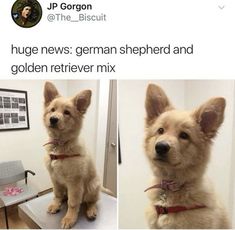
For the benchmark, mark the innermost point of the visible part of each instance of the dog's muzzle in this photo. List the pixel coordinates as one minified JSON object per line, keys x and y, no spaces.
{"x":53,"y":121}
{"x":162,"y":148}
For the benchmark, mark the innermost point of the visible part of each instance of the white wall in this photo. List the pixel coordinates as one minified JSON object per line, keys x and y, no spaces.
{"x":27,"y":145}
{"x":134,"y":172}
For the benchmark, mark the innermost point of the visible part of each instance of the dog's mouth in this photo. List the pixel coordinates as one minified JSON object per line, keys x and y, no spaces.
{"x":166,"y":161}
{"x":53,"y":126}
{"x":56,"y":127}
{"x":161,"y":159}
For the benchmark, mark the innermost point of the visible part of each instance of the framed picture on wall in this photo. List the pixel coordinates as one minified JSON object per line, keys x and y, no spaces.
{"x":14,"y":113}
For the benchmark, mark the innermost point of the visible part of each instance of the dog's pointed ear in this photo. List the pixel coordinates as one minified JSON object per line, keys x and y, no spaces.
{"x":156,"y":102}
{"x":50,"y":93}
{"x":82,"y":101}
{"x":210,"y":116}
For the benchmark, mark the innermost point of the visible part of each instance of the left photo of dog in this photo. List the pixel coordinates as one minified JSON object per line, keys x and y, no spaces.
{"x":58,"y":160}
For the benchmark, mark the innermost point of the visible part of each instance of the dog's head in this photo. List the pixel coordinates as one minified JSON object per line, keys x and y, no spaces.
{"x":179,"y":140}
{"x":63,"y":116}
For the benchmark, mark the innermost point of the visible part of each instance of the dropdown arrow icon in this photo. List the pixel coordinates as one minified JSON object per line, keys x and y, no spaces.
{"x":221,"y":7}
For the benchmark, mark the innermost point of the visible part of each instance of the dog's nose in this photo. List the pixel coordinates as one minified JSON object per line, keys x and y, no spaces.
{"x":54,"y":120}
{"x":162,"y":148}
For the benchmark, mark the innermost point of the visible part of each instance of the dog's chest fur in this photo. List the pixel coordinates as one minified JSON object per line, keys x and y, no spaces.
{"x":188,"y":196}
{"x":65,"y":170}
{"x":169,"y":198}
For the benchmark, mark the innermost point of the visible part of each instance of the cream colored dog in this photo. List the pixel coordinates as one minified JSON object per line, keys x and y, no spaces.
{"x":71,"y":169}
{"x":178,"y":146}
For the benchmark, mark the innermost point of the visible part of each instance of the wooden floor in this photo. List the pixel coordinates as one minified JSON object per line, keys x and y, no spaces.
{"x":13,"y":219}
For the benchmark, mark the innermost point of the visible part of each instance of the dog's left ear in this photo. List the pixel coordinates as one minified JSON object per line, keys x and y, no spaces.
{"x":50,"y":93}
{"x":156,"y":102}
{"x":82,"y":101}
{"x":210,"y":116}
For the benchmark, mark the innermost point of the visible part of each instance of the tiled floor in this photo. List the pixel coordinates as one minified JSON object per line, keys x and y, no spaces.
{"x":13,"y":219}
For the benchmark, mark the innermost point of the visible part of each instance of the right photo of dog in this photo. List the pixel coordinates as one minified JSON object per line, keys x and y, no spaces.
{"x":178,"y":145}
{"x":181,"y":144}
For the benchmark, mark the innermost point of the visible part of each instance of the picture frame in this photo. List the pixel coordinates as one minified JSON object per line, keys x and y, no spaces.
{"x":14,"y":113}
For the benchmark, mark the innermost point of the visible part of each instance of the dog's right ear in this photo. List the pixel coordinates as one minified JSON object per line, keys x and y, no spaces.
{"x":82,"y":101}
{"x":210,"y":116}
{"x":50,"y":93}
{"x":156,"y":102}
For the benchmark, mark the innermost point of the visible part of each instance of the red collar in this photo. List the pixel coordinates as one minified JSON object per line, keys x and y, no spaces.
{"x":62,"y":156}
{"x":165,"y":210}
{"x":171,"y":186}
{"x":166,"y":185}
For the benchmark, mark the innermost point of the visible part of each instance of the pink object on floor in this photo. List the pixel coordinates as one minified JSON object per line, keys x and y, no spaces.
{"x":12,"y":191}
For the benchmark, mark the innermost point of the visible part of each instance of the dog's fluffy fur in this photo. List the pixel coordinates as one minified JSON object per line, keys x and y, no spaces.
{"x":74,"y":178}
{"x":185,"y":163}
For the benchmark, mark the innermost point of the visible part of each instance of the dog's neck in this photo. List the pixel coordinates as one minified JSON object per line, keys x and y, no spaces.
{"x":62,"y":142}
{"x":166,"y":185}
{"x":179,"y":177}
{"x":56,"y":142}
{"x":64,"y":137}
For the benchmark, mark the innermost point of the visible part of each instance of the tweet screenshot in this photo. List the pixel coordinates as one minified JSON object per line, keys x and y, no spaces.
{"x":117,"y":114}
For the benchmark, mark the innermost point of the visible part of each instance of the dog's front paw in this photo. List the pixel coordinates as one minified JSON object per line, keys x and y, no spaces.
{"x":91,"y":213}
{"x":68,"y":222}
{"x":53,"y":208}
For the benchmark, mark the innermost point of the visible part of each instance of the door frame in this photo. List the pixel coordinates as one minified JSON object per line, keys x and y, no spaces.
{"x":102,"y":123}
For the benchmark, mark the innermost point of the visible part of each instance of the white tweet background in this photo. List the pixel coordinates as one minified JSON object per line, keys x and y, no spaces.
{"x":136,"y":23}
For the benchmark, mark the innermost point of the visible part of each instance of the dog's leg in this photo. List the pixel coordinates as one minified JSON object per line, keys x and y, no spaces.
{"x":91,"y":200}
{"x":91,"y":211}
{"x":75,"y":195}
{"x":91,"y":197}
{"x":59,"y":192}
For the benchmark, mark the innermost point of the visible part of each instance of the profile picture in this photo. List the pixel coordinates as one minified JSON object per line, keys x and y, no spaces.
{"x":26,"y":13}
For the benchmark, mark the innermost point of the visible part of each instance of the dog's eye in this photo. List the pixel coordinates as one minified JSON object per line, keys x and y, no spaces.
{"x":184,"y":136}
{"x":53,"y":110}
{"x":66,"y":112}
{"x":160,"y":131}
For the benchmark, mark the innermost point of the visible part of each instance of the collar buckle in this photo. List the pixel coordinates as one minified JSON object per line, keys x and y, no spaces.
{"x":53,"y":157}
{"x":161,"y":209}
